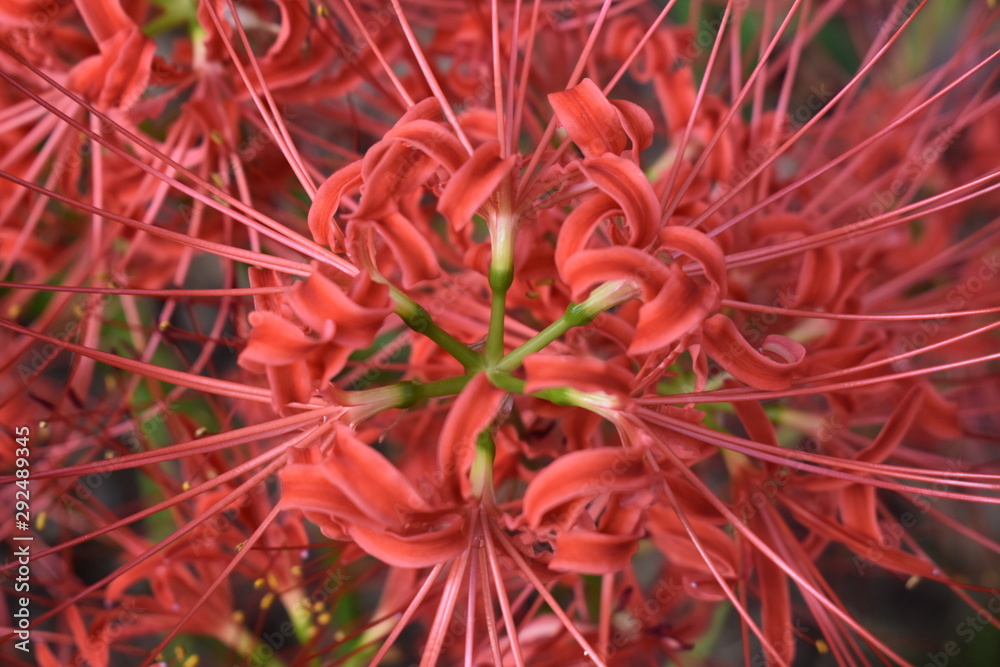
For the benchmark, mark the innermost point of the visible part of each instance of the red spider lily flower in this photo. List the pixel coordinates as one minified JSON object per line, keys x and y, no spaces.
{"x":513,"y":333}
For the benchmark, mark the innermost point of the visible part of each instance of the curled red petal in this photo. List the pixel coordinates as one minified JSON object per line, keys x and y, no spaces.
{"x":289,"y":383}
{"x":637,"y":125}
{"x":587,"y":268}
{"x":909,"y":408}
{"x":624,"y":182}
{"x":432,"y":139}
{"x":412,"y":251}
{"x":117,"y":77}
{"x":420,"y":550}
{"x":321,"y":223}
{"x":356,"y":468}
{"x":389,"y":171}
{"x":266,"y":278}
{"x":727,"y":347}
{"x":678,"y":308}
{"x":699,"y":247}
{"x":104,"y":18}
{"x":582,"y":475}
{"x":590,"y":552}
{"x":590,"y":119}
{"x":859,"y":511}
{"x":819,"y":278}
{"x":473,"y":184}
{"x":682,"y":305}
{"x":274,"y":341}
{"x":669,"y":533}
{"x":94,"y":651}
{"x":319,"y":300}
{"x":776,"y":605}
{"x":579,"y":225}
{"x":307,"y":487}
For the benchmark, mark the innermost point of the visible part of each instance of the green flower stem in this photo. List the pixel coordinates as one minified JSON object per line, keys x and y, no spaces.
{"x":403,"y":394}
{"x":500,"y":282}
{"x":417,"y":318}
{"x":447,"y":387}
{"x":604,"y":297}
{"x":542,"y":339}
{"x":501,"y":275}
{"x":594,"y":401}
{"x":507,"y":382}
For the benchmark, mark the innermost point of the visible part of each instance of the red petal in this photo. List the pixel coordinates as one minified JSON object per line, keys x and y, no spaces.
{"x":356,"y":468}
{"x":670,"y":535}
{"x":390,"y":170}
{"x":637,"y":124}
{"x":473,"y":184}
{"x":307,"y":487}
{"x":274,"y":341}
{"x":701,"y":249}
{"x":590,"y":120}
{"x":727,"y":347}
{"x":859,"y":513}
{"x":266,"y":278}
{"x":92,"y":649}
{"x":589,"y":552}
{"x":104,"y":18}
{"x":678,"y":308}
{"x":319,"y":300}
{"x":420,"y":550}
{"x":583,"y":475}
{"x":291,"y":383}
{"x":411,"y":249}
{"x":588,"y":267}
{"x":624,"y":182}
{"x":579,"y":226}
{"x":819,"y":278}
{"x":321,"y":223}
{"x":897,"y":426}
{"x":432,"y":139}
{"x":776,"y":605}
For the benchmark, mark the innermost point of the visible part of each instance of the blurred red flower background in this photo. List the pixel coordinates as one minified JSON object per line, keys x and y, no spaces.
{"x":500,"y":333}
